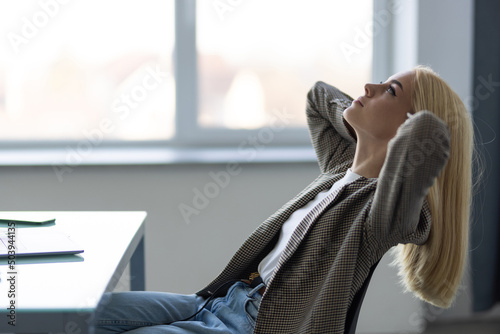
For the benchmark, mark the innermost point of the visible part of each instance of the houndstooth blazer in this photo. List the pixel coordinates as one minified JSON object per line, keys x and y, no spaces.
{"x":332,"y":250}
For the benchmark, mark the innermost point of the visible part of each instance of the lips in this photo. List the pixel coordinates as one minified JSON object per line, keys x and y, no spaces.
{"x":358,"y":100}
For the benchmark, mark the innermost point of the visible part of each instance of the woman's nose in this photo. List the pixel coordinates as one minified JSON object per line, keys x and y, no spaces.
{"x":369,"y":89}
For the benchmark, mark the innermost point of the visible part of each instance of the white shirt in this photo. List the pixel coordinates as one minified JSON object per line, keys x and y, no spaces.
{"x":267,"y":265}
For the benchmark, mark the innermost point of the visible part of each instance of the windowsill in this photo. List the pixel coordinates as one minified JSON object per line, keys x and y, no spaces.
{"x":153,"y":156}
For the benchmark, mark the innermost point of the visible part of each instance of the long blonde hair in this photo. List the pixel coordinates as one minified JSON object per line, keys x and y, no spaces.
{"x":433,"y":271}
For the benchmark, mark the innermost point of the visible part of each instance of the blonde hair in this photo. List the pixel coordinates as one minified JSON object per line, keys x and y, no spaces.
{"x":433,"y":271}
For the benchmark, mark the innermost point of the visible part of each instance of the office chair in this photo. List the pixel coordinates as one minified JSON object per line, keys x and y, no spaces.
{"x":353,"y":312}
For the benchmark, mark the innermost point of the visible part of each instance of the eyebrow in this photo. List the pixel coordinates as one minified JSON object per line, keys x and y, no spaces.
{"x":398,"y":83}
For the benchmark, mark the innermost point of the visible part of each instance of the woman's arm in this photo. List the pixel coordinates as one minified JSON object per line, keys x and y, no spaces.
{"x":415,"y":157}
{"x":331,"y":138}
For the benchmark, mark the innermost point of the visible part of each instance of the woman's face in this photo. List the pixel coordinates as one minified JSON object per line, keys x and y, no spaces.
{"x":378,"y":114}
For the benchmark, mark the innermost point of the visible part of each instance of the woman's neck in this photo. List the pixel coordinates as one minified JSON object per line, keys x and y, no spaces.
{"x":369,"y":158}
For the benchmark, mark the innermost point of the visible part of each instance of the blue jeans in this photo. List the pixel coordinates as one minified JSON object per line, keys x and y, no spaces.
{"x":148,"y":312}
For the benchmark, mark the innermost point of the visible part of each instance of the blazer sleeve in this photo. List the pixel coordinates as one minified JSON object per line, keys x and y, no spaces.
{"x":333,"y":143}
{"x":415,"y":157}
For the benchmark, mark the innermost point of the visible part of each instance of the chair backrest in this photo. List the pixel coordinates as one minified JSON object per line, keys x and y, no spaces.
{"x":353,"y":312}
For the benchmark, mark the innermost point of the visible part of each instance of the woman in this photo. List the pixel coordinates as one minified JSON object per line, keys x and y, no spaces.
{"x":388,"y":166}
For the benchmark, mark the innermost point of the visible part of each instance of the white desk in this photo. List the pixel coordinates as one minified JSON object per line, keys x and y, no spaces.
{"x":59,"y":294}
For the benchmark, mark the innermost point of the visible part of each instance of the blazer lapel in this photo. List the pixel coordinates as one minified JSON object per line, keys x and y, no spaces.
{"x":322,"y":183}
{"x":301,"y":230}
{"x":261,"y":237}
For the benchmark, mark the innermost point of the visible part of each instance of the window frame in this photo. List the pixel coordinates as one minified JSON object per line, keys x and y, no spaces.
{"x":188,"y":134}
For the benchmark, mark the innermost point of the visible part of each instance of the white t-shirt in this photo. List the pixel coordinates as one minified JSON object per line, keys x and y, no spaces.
{"x":267,"y":265}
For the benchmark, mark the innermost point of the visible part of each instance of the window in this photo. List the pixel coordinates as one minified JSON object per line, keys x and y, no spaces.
{"x":258,"y":56}
{"x":73,"y":69}
{"x":177,"y":73}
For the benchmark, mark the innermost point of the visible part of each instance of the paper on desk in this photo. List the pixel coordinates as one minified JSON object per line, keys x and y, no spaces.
{"x":28,"y":217}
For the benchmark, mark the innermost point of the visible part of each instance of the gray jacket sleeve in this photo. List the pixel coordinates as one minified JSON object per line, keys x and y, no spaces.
{"x":331,"y":139}
{"x":415,"y":157}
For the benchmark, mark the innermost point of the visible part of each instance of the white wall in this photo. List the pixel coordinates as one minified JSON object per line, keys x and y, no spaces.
{"x":446,"y":41}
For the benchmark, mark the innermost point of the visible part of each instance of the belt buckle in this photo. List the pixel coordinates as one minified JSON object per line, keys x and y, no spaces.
{"x":253,"y":276}
{"x":255,"y":279}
